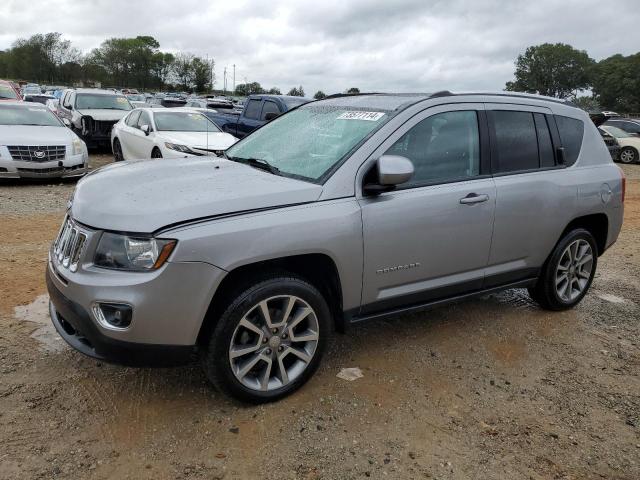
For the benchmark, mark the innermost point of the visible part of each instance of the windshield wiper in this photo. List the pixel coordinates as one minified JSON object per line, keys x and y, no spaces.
{"x":260,"y":163}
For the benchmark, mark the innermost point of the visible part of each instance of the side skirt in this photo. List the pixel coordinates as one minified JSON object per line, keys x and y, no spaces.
{"x":354,"y":317}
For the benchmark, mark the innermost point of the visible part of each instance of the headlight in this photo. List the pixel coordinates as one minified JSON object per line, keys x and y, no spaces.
{"x":132,"y":253}
{"x":179,"y":148}
{"x":77,"y":146}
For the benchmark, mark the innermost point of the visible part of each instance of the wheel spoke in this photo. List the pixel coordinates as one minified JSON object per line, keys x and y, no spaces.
{"x":287,"y":311}
{"x":249,"y":365}
{"x":284,"y":376}
{"x":264,"y":380}
{"x":236,"y":352}
{"x":308,"y":336}
{"x":250,"y":326}
{"x":301,"y":315}
{"x":561,"y":279}
{"x":301,"y":354}
{"x":585,"y":258}
{"x":264,"y":308}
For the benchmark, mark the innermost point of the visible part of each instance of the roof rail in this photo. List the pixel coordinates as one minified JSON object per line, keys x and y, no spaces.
{"x":441,"y":93}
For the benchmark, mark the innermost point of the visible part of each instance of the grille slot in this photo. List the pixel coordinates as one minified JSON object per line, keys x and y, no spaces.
{"x":37,"y":153}
{"x":69,"y":245}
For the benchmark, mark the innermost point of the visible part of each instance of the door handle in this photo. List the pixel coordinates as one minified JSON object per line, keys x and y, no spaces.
{"x":474,"y":198}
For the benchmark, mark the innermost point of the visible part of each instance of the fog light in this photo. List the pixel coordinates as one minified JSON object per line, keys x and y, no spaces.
{"x":113,"y":315}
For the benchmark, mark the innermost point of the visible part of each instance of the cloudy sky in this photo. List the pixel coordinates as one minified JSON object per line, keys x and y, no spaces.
{"x":401,"y":45}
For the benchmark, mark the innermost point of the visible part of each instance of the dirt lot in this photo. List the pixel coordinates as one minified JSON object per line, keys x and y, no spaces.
{"x":490,"y":389}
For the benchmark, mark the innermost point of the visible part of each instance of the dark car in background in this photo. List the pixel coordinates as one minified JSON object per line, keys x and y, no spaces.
{"x":258,"y":110}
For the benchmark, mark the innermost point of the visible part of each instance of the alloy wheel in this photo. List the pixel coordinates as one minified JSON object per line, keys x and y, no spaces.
{"x":627,"y":155}
{"x":274,"y":343}
{"x":574,"y":270}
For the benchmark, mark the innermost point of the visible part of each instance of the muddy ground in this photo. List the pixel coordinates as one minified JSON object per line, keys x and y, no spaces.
{"x":494,"y":388}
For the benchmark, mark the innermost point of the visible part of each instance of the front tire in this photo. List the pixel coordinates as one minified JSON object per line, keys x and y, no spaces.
{"x":270,"y":339}
{"x":628,"y":155}
{"x":117,"y":151}
{"x":156,"y":153}
{"x":568,"y":272}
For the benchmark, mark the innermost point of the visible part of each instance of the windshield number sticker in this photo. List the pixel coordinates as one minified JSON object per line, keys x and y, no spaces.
{"x":121,"y":100}
{"x":354,"y":115}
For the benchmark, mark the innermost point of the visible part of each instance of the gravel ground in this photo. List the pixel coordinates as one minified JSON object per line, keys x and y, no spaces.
{"x":493,"y":388}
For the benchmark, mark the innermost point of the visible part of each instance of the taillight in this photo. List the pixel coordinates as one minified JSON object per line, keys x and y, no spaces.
{"x":624,"y":183}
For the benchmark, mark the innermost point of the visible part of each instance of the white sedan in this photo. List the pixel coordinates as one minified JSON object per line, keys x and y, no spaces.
{"x":35,"y":143}
{"x":167,"y":133}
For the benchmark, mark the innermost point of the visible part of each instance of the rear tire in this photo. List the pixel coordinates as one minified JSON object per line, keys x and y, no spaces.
{"x":567,"y":274}
{"x":156,"y":153}
{"x":628,"y":155}
{"x":260,"y":357}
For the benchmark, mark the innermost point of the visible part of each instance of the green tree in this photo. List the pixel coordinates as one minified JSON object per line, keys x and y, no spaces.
{"x":183,"y":70}
{"x":274,"y":91}
{"x":162,"y":67}
{"x":556,"y":70}
{"x":202,"y":73}
{"x":616,"y":83}
{"x":245,"y":89}
{"x":320,"y":95}
{"x":296,"y":92}
{"x":587,"y":103}
{"x":353,"y":90}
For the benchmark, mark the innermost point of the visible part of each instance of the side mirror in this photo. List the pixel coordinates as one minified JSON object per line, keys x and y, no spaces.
{"x":66,"y":122}
{"x":270,"y":116}
{"x":145,"y":129}
{"x":389,"y":171}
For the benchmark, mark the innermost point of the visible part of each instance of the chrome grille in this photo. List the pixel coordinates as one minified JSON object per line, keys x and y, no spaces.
{"x":69,"y":245}
{"x":36,"y":153}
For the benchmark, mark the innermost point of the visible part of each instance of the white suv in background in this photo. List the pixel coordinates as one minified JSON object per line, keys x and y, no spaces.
{"x":35,"y":143}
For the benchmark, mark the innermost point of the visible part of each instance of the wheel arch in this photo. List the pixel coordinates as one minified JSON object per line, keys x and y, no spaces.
{"x":317,"y":268}
{"x":597,"y":224}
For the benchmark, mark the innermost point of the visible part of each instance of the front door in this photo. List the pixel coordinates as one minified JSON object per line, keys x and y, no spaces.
{"x":430,"y":238}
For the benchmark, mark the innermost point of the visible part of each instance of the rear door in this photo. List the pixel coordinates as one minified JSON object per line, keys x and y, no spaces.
{"x":430,"y":238}
{"x":534,"y":195}
{"x":250,"y":119}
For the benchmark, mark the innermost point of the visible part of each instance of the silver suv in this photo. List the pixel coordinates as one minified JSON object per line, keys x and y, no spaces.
{"x":342,"y":210}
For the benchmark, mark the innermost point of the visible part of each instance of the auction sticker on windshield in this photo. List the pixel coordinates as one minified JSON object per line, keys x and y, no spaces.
{"x":354,"y":115}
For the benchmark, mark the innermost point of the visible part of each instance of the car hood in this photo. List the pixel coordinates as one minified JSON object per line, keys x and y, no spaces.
{"x":104,"y":115}
{"x":33,"y":135}
{"x":203,"y":140}
{"x":144,"y":196}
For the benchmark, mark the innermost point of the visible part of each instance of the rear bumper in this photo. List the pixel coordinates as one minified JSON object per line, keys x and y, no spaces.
{"x":75,"y":326}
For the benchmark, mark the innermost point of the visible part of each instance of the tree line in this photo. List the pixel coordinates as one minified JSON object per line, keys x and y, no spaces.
{"x":559,"y":70}
{"x":124,"y":62}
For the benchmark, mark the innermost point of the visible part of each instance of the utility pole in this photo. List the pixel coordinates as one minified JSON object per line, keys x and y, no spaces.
{"x":224,"y":87}
{"x":234,"y":78}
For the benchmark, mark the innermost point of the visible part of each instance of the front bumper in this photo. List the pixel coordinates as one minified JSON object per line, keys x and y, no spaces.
{"x":71,"y":166}
{"x":169,"y":306}
{"x":75,"y":326}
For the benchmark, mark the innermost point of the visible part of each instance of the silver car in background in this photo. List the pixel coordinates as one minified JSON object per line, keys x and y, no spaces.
{"x":35,"y":143}
{"x":342,"y":210}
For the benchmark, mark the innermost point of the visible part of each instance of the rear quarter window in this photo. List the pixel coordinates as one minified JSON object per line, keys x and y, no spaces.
{"x":571,"y":131}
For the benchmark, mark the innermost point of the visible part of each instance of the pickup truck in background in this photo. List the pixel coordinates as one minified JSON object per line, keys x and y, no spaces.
{"x":258,"y":110}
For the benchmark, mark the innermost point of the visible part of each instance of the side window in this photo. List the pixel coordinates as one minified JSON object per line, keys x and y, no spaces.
{"x":66,"y":102}
{"x":629,"y":127}
{"x":545,"y":145}
{"x":253,"y":109}
{"x":443,"y":147}
{"x":143,"y":120}
{"x":571,"y":131}
{"x":516,"y":142}
{"x":132,"y":118}
{"x":269,"y":107}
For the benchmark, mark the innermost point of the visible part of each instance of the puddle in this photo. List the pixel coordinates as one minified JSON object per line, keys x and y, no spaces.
{"x":37,"y":312}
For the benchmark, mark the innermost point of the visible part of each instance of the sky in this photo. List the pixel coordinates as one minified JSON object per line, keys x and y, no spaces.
{"x":332,"y":45}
